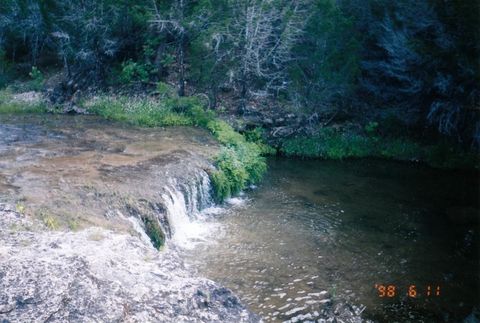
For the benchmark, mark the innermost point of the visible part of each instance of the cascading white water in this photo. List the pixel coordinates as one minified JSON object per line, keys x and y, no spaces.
{"x":184,"y":203}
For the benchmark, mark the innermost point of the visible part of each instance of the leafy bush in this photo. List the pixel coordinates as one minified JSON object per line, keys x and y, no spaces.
{"x":37,"y":79}
{"x":330,"y":144}
{"x":256,"y":135}
{"x":371,"y":128}
{"x":239,"y":164}
{"x":135,"y":72}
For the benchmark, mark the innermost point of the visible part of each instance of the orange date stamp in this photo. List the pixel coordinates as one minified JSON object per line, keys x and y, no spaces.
{"x":413,"y":291}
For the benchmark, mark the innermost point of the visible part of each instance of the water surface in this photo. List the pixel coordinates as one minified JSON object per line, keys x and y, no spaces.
{"x":318,"y":233}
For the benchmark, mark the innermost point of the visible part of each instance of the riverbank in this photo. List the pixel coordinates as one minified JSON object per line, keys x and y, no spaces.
{"x":331,"y":143}
{"x":241,"y":163}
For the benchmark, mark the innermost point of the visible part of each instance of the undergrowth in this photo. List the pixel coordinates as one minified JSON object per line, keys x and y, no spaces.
{"x":10,"y":105}
{"x":332,"y":144}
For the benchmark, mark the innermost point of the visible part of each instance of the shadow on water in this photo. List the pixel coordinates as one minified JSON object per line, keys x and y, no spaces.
{"x":322,"y":229}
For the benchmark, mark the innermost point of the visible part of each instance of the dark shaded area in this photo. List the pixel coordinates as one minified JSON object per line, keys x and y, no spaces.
{"x":410,"y":66}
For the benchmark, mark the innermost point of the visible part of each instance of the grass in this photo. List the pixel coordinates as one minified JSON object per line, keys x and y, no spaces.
{"x":240,"y":162}
{"x":10,"y":106}
{"x":332,"y":144}
{"x":50,"y":221}
{"x":20,"y":208}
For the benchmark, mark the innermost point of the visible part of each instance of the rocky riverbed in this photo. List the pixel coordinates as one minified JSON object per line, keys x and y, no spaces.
{"x":101,"y":276}
{"x":84,"y":205}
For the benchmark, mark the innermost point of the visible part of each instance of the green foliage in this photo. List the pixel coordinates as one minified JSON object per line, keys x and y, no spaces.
{"x":371,"y":128}
{"x":165,"y":90}
{"x":238,"y":165}
{"x":37,"y":79}
{"x":447,"y":154}
{"x":333,"y":144}
{"x":330,"y":37}
{"x":49,"y":220}
{"x":20,"y":208}
{"x":329,"y":144}
{"x":257,"y":136}
{"x":137,"y":111}
{"x":133,"y":72}
{"x":224,"y":133}
{"x":221,"y":185}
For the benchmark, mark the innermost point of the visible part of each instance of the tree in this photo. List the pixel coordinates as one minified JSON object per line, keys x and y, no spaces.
{"x":326,"y":61}
{"x":420,"y":69}
{"x":258,"y":41}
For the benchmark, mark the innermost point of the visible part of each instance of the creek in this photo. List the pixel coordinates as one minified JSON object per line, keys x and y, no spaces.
{"x":353,"y":240}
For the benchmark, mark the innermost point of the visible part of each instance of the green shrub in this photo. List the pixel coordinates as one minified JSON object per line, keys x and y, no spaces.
{"x":224,"y":133}
{"x":401,"y":149}
{"x":371,"y":128}
{"x":135,"y":72}
{"x":257,"y":136}
{"x":182,"y":104}
{"x":239,"y":164}
{"x":37,"y":79}
{"x":333,"y":144}
{"x":220,"y":184}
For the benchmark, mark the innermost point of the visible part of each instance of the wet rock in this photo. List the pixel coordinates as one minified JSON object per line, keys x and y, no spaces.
{"x":117,"y":278}
{"x":72,"y":108}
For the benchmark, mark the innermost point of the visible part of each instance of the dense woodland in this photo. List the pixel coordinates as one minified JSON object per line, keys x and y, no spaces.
{"x":409,"y":65}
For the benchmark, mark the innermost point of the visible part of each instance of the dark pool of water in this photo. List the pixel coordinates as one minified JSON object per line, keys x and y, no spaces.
{"x":343,"y":227}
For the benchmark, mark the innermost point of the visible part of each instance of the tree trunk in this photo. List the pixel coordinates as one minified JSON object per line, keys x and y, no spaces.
{"x":181,"y":49}
{"x":181,"y":63}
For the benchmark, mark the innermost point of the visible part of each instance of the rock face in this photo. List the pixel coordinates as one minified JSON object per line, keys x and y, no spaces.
{"x":96,"y":275}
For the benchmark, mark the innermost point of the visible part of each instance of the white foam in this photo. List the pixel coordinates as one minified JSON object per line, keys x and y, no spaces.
{"x":235,"y":201}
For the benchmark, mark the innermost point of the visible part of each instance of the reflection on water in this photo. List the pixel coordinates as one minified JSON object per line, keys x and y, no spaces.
{"x":317,"y":232}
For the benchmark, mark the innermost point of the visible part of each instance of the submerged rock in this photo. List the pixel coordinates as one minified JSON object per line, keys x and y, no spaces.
{"x":99,"y":275}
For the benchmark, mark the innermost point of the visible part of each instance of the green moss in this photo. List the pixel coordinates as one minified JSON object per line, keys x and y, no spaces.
{"x":154,"y":232}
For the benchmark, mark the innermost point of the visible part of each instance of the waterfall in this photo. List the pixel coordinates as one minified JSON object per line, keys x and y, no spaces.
{"x":184,"y":202}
